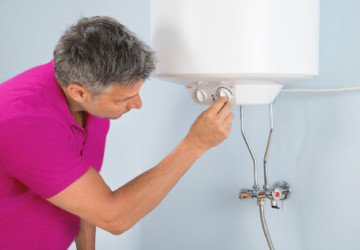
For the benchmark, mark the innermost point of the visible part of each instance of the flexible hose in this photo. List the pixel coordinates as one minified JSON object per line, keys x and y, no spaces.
{"x":261,"y":203}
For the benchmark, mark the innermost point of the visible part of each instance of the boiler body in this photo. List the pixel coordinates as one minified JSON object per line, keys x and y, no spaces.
{"x":244,"y":49}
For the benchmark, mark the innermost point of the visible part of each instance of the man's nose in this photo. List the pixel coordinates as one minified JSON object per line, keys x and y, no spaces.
{"x":135,"y":103}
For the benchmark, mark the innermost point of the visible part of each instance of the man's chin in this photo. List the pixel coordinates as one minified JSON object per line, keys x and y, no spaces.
{"x":117,"y":116}
{"x":114,"y":118}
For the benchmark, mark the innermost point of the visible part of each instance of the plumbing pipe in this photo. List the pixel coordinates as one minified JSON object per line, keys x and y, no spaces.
{"x":256,"y":186}
{"x":266,"y":186}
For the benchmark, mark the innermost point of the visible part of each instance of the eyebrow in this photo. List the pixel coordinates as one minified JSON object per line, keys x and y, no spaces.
{"x":127,"y":98}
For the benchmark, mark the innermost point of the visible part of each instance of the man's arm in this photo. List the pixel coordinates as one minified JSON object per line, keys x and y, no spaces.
{"x":85,"y":240}
{"x":116,"y":211}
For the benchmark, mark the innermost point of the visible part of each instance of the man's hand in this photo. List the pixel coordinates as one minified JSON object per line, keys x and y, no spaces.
{"x":213,"y":125}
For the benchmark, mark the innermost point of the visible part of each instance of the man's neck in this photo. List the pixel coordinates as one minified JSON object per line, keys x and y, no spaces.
{"x":80,"y":118}
{"x":75,"y":108}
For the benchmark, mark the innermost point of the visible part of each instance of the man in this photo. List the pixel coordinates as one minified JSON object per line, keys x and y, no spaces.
{"x":53,"y":125}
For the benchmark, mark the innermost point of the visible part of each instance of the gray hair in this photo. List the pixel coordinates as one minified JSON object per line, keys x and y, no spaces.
{"x":98,"y":51}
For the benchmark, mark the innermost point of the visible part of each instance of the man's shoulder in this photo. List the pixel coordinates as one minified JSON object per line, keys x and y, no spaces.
{"x":27,"y":110}
{"x":29,"y":75}
{"x":32,"y":93}
{"x":29,"y":121}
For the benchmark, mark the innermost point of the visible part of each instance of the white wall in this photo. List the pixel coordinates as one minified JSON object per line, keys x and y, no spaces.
{"x":315,"y":143}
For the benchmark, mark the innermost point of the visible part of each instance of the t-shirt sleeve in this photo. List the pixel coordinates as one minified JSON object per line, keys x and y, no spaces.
{"x":37,"y":152}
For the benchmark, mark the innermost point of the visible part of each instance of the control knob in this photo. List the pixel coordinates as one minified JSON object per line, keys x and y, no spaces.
{"x":222,"y":91}
{"x":201,"y":95}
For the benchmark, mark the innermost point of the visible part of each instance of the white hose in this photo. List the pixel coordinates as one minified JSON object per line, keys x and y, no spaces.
{"x":320,"y":90}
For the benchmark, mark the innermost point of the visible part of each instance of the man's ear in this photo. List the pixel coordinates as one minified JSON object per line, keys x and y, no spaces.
{"x":78,"y":92}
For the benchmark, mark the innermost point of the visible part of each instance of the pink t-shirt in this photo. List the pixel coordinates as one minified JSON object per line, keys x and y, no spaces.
{"x":42,"y":151}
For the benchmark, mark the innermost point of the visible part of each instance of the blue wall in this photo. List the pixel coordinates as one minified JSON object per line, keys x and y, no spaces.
{"x":315,"y":143}
{"x":315,"y":148}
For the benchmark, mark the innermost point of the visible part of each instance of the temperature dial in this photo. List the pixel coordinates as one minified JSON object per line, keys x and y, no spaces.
{"x":222,"y":91}
{"x":201,"y":95}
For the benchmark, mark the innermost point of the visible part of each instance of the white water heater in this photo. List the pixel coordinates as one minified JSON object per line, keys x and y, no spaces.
{"x":243,"y":49}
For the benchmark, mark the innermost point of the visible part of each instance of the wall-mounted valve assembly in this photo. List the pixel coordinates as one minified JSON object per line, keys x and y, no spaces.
{"x":279,"y":191}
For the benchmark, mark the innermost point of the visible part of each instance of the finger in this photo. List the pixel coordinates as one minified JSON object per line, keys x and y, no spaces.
{"x":229,"y":119}
{"x":225,"y":110}
{"x":217,"y":105}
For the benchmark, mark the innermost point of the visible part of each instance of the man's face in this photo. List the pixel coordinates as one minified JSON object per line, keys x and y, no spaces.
{"x":116,"y":102}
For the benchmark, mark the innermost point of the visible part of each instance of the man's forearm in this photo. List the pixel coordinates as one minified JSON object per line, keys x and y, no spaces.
{"x":116,"y":211}
{"x":137,"y":198}
{"x":85,"y":240}
{"x":144,"y":193}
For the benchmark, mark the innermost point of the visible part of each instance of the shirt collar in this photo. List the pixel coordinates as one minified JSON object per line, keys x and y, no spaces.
{"x":57,"y":98}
